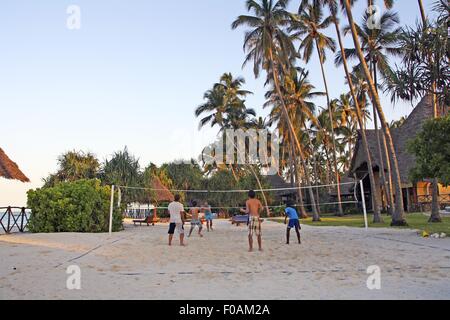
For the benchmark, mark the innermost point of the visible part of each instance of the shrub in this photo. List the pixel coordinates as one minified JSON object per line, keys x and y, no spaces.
{"x":80,"y":206}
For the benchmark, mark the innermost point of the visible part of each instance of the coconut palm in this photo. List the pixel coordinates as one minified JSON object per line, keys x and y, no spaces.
{"x":424,"y":71}
{"x":359,"y":97}
{"x":377,"y":44}
{"x":270,"y":48}
{"x":307,"y":26}
{"x":225,"y":104}
{"x":398,"y":217}
{"x":298,"y":94}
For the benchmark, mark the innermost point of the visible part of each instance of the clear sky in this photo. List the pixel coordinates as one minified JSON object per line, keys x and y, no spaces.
{"x":131,"y":76}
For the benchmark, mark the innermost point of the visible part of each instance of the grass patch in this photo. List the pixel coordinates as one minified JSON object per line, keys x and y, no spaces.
{"x":416,"y":221}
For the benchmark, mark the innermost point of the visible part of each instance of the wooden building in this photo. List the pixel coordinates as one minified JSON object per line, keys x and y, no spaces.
{"x":416,"y":196}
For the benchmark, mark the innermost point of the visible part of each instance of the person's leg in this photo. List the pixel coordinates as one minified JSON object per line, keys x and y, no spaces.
{"x":171,"y":232}
{"x":182,"y":239}
{"x":200,"y":228}
{"x":207,"y":225}
{"x":297,"y":229}
{"x":180,"y":229}
{"x":250,"y":243}
{"x":288,"y":233}
{"x":190,"y":231}
{"x":260,"y":242}
{"x":211,"y":226}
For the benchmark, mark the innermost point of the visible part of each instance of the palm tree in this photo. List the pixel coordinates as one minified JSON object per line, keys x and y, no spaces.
{"x":74,"y":165}
{"x":270,"y":48}
{"x":225,"y":104}
{"x":377,"y":44}
{"x":309,"y":22}
{"x":297,"y":92}
{"x":358,"y":96}
{"x":423,"y":72}
{"x":398,"y":217}
{"x":348,"y":125}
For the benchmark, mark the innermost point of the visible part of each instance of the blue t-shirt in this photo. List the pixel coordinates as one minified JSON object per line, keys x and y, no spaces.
{"x":291,"y":213}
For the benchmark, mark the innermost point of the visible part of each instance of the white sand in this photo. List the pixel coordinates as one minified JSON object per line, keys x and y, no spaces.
{"x":138,"y":264}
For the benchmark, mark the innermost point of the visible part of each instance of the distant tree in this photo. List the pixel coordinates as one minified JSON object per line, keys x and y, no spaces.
{"x":123,"y":169}
{"x":432,"y":150}
{"x":73,"y":166}
{"x":184,"y":176}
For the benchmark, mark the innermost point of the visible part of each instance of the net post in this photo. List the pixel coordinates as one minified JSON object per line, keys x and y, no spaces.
{"x":111,"y":209}
{"x":363,"y":198}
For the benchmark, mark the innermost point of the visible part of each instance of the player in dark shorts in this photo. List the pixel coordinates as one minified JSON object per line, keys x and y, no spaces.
{"x":294,"y":222}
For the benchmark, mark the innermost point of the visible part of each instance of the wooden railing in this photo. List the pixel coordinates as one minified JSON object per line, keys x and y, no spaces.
{"x":443,"y":199}
{"x":13,"y":219}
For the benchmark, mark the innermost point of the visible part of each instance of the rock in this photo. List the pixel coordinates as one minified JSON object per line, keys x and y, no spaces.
{"x":443,"y":235}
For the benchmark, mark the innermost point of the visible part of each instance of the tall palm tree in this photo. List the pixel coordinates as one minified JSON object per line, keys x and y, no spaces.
{"x":309,"y":22}
{"x":377,"y":44}
{"x":270,"y":48}
{"x":298,"y":93}
{"x":398,"y":217}
{"x":225,"y":104}
{"x":348,"y":124}
{"x":358,"y":96}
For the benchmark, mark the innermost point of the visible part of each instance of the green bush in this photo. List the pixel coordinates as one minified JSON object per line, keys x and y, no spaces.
{"x":80,"y":206}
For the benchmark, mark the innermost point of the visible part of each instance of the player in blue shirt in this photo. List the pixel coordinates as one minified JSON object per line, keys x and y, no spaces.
{"x":294,"y":221}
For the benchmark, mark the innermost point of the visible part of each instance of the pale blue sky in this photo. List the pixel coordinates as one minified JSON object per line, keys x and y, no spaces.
{"x":131,"y":76}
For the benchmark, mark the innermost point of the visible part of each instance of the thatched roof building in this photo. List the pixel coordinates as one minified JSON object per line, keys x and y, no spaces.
{"x":161,"y":192}
{"x":400,"y":136}
{"x":414,"y":194}
{"x":277,"y":182}
{"x":9,"y":169}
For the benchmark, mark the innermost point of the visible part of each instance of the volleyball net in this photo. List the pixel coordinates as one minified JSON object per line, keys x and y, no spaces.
{"x":141,"y":202}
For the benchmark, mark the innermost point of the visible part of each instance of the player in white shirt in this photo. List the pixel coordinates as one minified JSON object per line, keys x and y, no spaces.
{"x":176,"y":210}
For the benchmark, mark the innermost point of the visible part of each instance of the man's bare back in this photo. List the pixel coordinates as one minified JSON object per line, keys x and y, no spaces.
{"x":195,"y":213}
{"x":254,"y":207}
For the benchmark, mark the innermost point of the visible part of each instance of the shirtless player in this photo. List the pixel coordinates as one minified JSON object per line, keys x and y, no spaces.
{"x":253,"y":209}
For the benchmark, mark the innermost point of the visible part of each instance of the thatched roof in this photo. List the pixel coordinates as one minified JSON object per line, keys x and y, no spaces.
{"x":161,"y":192}
{"x":277,"y":182}
{"x":400,"y":136}
{"x":9,"y":169}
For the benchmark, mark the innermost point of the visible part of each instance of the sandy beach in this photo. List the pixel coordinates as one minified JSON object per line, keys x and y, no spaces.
{"x":138,"y":264}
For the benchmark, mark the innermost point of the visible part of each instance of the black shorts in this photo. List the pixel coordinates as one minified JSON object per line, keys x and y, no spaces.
{"x":174,"y":226}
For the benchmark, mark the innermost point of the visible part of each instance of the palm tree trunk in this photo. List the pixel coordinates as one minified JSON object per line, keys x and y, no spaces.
{"x":435,"y":214}
{"x":336,"y":171}
{"x":377,"y":134}
{"x":422,"y":11}
{"x":316,"y":216}
{"x":328,"y":162}
{"x":377,"y":216}
{"x":390,"y":191}
{"x":261,"y":188}
{"x":311,"y":145}
{"x":296,"y":177}
{"x":398,"y":218}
